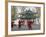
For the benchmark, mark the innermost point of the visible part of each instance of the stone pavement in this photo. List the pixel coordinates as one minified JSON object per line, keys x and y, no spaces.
{"x":25,"y":27}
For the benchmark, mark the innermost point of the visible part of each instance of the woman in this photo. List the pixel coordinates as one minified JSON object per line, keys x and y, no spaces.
{"x":29,"y":23}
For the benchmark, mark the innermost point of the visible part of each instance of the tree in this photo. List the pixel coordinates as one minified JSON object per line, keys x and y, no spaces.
{"x":28,"y":14}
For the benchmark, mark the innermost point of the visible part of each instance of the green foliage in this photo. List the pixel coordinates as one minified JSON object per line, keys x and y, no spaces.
{"x":28,"y":15}
{"x":25,"y":15}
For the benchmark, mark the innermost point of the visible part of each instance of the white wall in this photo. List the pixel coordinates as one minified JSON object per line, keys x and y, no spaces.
{"x":2,"y":14}
{"x":2,"y":21}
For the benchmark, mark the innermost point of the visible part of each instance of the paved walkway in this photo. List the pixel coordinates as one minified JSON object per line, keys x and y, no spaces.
{"x":24,"y":27}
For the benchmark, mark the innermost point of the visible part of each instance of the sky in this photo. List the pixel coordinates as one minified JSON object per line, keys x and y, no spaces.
{"x":18,"y":8}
